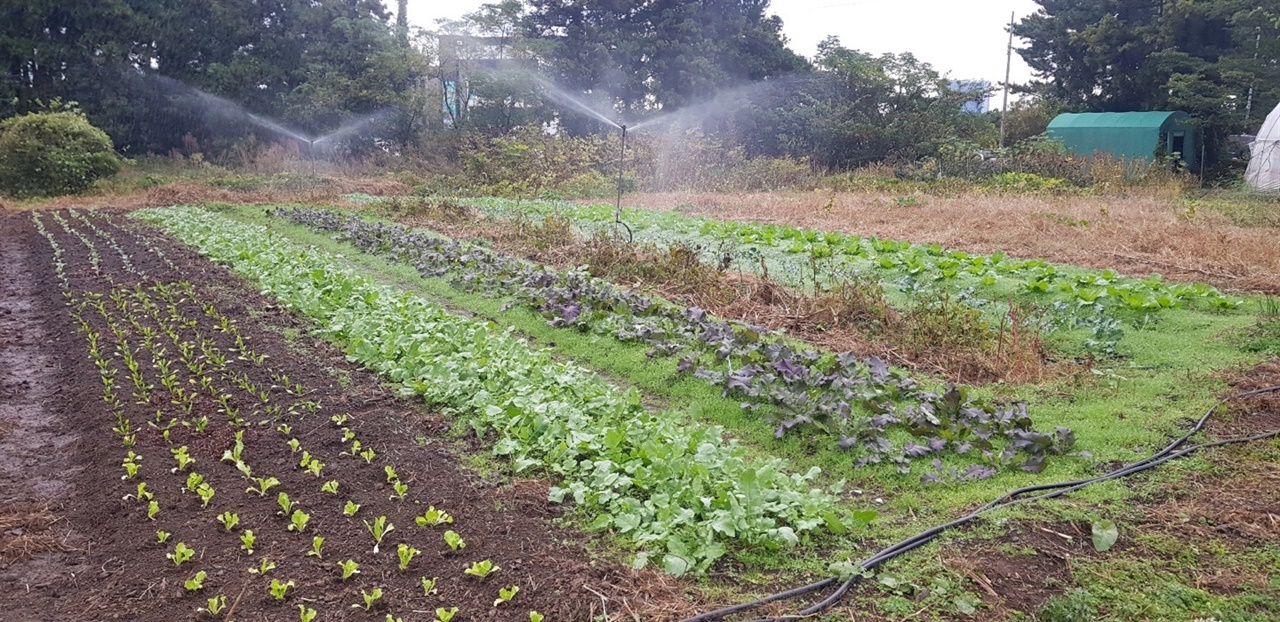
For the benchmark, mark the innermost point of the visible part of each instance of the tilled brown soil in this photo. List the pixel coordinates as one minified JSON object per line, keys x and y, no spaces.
{"x":106,"y":561}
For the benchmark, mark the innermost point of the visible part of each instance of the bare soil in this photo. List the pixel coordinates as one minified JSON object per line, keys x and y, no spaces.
{"x":105,"y":561}
{"x":1136,"y":234}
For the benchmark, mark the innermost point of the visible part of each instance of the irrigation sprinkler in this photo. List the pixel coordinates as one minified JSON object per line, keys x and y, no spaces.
{"x":617,"y":213}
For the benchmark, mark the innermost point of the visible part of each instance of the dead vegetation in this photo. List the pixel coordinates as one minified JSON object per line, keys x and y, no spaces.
{"x":1136,"y":233}
{"x":27,"y":529}
{"x":938,"y":333}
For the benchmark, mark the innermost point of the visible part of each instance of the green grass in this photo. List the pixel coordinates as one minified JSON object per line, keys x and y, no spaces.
{"x":1121,"y":410}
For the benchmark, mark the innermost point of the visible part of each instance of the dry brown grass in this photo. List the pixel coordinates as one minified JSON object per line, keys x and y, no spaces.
{"x":941,"y":336}
{"x":25,"y":530}
{"x":328,"y":190}
{"x":1136,"y":234}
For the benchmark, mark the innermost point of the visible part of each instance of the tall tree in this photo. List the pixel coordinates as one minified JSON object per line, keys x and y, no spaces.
{"x":660,"y":53}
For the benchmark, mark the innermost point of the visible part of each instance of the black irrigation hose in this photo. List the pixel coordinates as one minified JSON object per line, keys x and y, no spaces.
{"x":1170,"y":452}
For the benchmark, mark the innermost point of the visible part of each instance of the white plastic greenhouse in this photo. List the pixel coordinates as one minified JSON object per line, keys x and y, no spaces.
{"x":1264,"y":160}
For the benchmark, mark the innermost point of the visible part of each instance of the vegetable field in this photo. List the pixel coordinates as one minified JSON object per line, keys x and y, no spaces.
{"x":425,"y":410}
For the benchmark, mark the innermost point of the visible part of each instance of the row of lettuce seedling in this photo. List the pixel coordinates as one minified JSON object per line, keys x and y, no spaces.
{"x":128,"y":332}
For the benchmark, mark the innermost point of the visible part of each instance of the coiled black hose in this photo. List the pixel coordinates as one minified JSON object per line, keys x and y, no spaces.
{"x":1170,"y":452}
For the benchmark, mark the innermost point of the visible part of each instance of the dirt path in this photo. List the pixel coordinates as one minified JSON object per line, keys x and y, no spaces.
{"x":39,"y":553}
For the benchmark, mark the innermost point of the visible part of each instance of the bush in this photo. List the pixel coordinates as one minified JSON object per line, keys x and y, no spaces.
{"x":53,"y":153}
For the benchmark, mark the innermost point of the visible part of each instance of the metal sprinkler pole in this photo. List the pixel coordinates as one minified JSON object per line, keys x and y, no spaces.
{"x":617,"y":214}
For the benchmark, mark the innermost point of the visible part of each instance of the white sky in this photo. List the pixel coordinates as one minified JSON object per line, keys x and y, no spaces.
{"x":966,"y":39}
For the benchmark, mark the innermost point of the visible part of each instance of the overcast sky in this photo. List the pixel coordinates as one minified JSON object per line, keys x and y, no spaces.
{"x":966,"y":39}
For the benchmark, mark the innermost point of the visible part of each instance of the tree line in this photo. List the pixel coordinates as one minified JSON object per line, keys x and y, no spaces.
{"x":723,"y":67}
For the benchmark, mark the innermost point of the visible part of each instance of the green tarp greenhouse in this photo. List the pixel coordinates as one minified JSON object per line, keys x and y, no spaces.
{"x":1128,"y":135}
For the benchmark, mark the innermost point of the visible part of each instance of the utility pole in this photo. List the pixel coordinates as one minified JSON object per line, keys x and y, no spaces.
{"x":1008,"y":66}
{"x":1248,"y":105}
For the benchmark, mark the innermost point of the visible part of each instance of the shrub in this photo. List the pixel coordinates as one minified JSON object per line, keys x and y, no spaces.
{"x":53,"y":153}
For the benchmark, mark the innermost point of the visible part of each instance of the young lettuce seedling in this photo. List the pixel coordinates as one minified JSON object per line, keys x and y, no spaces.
{"x":444,"y":615}
{"x":206,"y":494}
{"x":433,"y":517}
{"x":368,"y":454}
{"x":196,"y":583}
{"x":183,"y":458}
{"x":330,"y":486}
{"x":181,"y":554}
{"x":153,"y":508}
{"x":406,"y":554}
{"x":316,"y":543}
{"x":534,"y":616}
{"x":429,"y":585}
{"x":229,"y":520}
{"x":162,"y":536}
{"x":506,"y":594}
{"x":295,"y":445}
{"x":306,"y":614}
{"x":193,"y":480}
{"x":142,"y":495}
{"x":369,"y":598}
{"x":391,"y":474}
{"x":279,"y":589}
{"x":265,"y":565}
{"x":401,"y":489}
{"x":314,"y":467}
{"x":246,"y":541}
{"x":286,"y":506}
{"x":217,"y":605}
{"x":378,"y":529}
{"x":482,"y":569}
{"x":264,"y":484}
{"x":349,"y":568}
{"x":454,"y":540}
{"x":350,"y":508}
{"x":298,"y":521}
